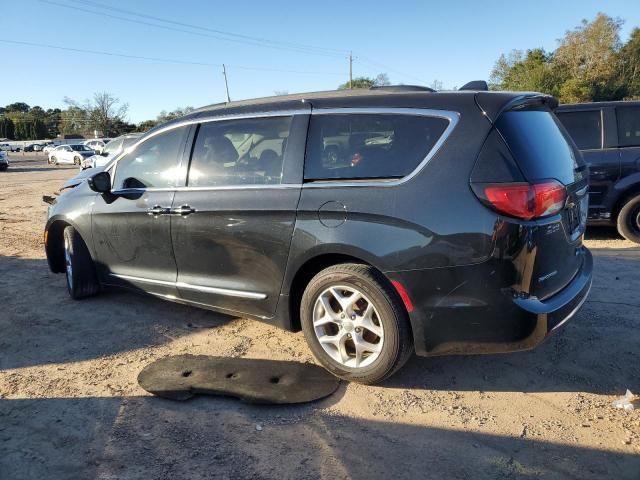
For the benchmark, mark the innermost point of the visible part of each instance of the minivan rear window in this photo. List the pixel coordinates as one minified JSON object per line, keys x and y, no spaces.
{"x":585,"y":128}
{"x":356,"y":146}
{"x":628,"y":126}
{"x":540,"y":145}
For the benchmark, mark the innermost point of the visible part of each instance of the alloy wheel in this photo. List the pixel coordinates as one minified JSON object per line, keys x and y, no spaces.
{"x":347,"y":326}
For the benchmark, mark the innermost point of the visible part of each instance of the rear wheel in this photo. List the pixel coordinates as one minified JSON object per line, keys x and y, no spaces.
{"x":53,"y":161}
{"x":77,"y":160}
{"x":629,"y":220}
{"x":80,"y":270}
{"x":355,"y":324}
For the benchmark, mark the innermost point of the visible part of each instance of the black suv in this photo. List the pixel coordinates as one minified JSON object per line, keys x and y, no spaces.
{"x":608,"y":135}
{"x":380,"y":222}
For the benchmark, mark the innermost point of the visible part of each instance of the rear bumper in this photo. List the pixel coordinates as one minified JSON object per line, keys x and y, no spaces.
{"x":464,"y":310}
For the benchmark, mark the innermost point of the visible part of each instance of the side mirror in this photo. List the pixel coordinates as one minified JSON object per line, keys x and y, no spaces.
{"x":100,"y":182}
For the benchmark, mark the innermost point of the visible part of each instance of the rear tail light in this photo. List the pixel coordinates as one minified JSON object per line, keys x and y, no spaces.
{"x":525,"y":200}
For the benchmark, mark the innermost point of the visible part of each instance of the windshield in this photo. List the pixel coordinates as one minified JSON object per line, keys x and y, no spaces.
{"x":81,"y":148}
{"x":112,"y":147}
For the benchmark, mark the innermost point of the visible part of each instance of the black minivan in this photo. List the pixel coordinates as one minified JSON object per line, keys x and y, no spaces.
{"x":608,"y":135}
{"x":380,"y":222}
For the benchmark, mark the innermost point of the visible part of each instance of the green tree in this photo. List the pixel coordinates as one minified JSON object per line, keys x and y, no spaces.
{"x":366,"y":82}
{"x":629,"y":65}
{"x":177,"y":113}
{"x":587,"y":59}
{"x":17,"y":107}
{"x":6,"y":128}
{"x":146,"y":125}
{"x":530,"y":71}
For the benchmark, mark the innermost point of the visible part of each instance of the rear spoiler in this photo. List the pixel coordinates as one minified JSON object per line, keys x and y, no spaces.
{"x":494,"y":103}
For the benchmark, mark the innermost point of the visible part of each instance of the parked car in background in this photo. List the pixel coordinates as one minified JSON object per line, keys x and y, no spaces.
{"x":608,"y":135}
{"x":16,"y":148}
{"x":73,"y":154}
{"x":97,"y":145}
{"x":37,"y":147}
{"x":48,"y":147}
{"x":458,"y":230}
{"x":33,"y":147}
{"x":5,"y":147}
{"x":110,"y":150}
{"x":4,"y":161}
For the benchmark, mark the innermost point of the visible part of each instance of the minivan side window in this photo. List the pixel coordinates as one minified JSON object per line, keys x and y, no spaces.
{"x":248,"y":151}
{"x":153,"y":164}
{"x":585,"y":128}
{"x":368,"y":146}
{"x":628,"y":126}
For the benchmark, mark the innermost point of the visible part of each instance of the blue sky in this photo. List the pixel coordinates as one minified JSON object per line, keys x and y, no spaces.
{"x":412,"y":41}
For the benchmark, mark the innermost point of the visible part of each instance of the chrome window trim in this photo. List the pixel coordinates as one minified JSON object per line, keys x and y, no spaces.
{"x":199,"y":288}
{"x":275,"y":186}
{"x":451,"y":116}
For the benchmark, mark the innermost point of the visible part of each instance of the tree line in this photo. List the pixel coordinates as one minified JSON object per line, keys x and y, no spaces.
{"x":104,"y":114}
{"x":589,"y":64}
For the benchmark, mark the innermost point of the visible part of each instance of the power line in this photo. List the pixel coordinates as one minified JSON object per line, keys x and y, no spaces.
{"x":199,"y":27}
{"x":201,"y":34}
{"x":163,"y":60}
{"x":380,"y":65}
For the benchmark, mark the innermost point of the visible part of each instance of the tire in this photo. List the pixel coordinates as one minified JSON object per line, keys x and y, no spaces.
{"x":389,"y":330}
{"x":82,"y":280}
{"x":76,"y":160}
{"x":629,"y":220}
{"x":54,"y":161}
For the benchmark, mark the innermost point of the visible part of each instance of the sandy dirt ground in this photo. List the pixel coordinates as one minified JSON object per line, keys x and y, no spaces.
{"x":70,"y":407}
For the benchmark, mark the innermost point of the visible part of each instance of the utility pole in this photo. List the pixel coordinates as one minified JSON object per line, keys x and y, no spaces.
{"x":226,"y":83}
{"x":350,"y":70}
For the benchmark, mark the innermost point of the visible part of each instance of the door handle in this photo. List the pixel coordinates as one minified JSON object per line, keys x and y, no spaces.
{"x":158,"y":210}
{"x":183,"y":210}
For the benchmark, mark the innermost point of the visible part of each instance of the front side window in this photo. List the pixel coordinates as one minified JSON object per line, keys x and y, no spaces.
{"x":585,"y":128}
{"x":239,"y":152}
{"x":153,"y":164}
{"x":369,"y":146}
{"x":628,"y":126}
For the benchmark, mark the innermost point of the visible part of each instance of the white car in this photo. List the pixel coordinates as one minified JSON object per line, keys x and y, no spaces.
{"x":5,"y":147}
{"x":48,"y":147}
{"x":97,"y":145}
{"x":73,"y":154}
{"x":111,"y":149}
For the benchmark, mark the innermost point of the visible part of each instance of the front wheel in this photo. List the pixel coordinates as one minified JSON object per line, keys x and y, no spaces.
{"x":629,"y":220}
{"x":77,"y":160}
{"x":82,"y":280}
{"x":355,"y":324}
{"x":53,"y":161}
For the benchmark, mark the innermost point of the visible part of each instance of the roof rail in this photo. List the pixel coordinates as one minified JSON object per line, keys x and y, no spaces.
{"x":475,"y":85}
{"x":402,"y":88}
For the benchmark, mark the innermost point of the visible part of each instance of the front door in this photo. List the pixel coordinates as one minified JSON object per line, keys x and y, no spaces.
{"x":232,"y":224}
{"x":131,"y":226}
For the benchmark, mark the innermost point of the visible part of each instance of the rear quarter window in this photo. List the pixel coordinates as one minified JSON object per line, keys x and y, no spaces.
{"x":585,"y":128}
{"x":354,"y":146}
{"x":628,"y":126}
{"x":540,"y":145}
